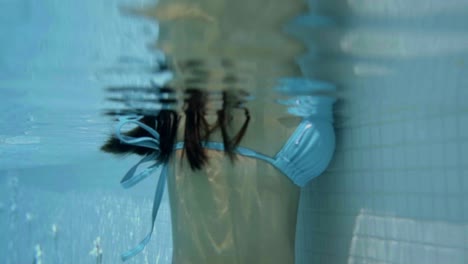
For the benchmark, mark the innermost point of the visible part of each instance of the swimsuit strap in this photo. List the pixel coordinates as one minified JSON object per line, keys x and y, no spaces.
{"x":239,"y":150}
{"x":156,"y":203}
{"x":148,"y":142}
{"x":131,"y":178}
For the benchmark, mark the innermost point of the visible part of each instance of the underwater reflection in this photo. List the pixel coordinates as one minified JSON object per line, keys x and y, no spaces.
{"x":404,"y":8}
{"x":235,"y":133}
{"x":401,"y":43}
{"x":218,"y":45}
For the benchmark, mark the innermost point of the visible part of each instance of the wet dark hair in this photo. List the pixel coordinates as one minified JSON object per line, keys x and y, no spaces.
{"x":165,"y":124}
{"x":197,"y":130}
{"x":231,"y":101}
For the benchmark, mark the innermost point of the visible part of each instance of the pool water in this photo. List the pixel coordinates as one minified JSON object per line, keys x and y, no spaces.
{"x":395,"y":192}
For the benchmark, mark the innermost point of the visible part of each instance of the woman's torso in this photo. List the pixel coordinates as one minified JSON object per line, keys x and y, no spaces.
{"x":235,"y":212}
{"x":242,"y":212}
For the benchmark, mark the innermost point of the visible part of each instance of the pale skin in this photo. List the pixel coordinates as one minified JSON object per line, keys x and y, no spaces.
{"x":234,"y":213}
{"x":245,"y":31}
{"x":244,"y":211}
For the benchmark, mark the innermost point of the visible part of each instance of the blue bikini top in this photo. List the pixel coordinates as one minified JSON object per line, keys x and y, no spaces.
{"x":305,"y":155}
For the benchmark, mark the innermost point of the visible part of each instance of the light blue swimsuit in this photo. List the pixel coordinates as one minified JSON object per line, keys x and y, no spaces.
{"x":305,"y":155}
